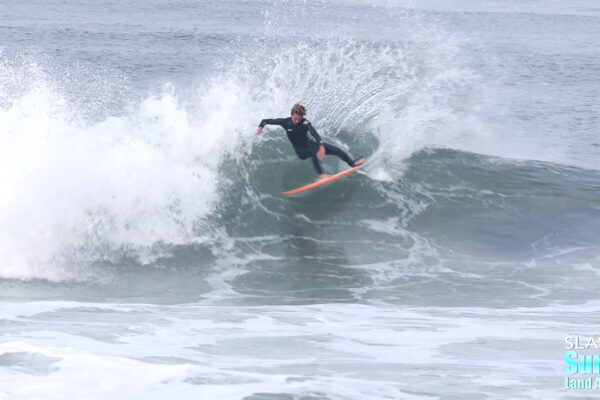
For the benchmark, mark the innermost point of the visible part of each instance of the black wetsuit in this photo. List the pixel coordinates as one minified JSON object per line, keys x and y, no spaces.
{"x":303,"y":145}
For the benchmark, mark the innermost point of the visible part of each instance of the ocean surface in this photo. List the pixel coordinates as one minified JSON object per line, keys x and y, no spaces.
{"x":146,"y":251}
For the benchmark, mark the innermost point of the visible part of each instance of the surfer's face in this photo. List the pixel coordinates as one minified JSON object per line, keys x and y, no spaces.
{"x":296,"y":118}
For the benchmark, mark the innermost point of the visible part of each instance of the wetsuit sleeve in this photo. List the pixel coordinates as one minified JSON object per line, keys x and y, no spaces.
{"x":275,"y":121}
{"x":313,"y":132}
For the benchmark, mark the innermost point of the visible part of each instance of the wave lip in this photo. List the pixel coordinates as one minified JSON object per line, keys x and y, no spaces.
{"x":77,"y":192}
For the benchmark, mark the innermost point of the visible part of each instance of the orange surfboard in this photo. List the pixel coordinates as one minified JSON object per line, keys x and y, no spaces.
{"x":320,"y":182}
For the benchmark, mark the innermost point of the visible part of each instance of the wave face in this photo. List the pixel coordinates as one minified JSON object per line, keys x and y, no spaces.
{"x":143,"y":168}
{"x":136,"y":195}
{"x":111,"y":173}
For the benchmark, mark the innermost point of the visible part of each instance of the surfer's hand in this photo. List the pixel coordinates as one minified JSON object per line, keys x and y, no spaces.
{"x":259,"y":130}
{"x":321,"y":152}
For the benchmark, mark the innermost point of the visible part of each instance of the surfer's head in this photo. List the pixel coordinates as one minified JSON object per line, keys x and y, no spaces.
{"x":298,"y":112}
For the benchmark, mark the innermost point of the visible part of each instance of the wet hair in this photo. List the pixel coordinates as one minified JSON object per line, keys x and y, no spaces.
{"x":299,"y":109}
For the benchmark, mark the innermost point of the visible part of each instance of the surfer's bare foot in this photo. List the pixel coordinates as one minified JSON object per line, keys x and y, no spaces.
{"x":359,"y":162}
{"x":324,"y":176}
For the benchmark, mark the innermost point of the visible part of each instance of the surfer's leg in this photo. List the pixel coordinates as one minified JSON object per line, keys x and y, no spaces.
{"x":317,"y":164}
{"x":336,"y":151}
{"x":311,"y":152}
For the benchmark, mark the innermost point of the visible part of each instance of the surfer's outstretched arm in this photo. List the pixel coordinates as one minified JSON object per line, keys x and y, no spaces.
{"x":270,"y":121}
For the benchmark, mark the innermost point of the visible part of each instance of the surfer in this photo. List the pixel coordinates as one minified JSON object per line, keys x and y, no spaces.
{"x":297,"y":128}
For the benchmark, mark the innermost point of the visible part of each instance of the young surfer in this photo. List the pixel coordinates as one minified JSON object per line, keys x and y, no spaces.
{"x":297,"y":128}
